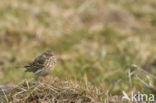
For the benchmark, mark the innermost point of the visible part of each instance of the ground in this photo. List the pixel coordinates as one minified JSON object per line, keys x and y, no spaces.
{"x":107,"y":45}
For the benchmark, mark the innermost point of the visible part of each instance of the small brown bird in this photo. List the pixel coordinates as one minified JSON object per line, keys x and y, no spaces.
{"x":43,"y":65}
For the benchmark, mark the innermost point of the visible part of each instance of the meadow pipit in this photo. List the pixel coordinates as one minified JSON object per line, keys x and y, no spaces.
{"x":43,"y":65}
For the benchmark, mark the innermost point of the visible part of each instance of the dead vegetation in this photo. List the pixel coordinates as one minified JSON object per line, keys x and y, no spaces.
{"x":96,"y":42}
{"x":51,"y":91}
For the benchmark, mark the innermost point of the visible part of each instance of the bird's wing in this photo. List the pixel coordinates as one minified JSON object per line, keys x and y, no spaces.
{"x":37,"y":64}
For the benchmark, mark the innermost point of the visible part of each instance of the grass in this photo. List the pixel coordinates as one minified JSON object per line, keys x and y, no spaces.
{"x":97,"y":44}
{"x":53,"y":92}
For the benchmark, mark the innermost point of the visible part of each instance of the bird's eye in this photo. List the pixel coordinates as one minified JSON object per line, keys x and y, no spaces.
{"x":50,"y":54}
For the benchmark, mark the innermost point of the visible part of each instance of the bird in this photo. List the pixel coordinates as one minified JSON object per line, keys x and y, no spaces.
{"x":42,"y":65}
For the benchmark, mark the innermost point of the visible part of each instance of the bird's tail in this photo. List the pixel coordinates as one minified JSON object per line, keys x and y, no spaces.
{"x":21,"y":67}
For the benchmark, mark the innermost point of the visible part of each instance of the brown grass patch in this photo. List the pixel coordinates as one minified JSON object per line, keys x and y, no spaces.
{"x":52,"y":91}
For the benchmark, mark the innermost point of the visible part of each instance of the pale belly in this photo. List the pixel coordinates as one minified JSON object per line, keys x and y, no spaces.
{"x":42,"y":72}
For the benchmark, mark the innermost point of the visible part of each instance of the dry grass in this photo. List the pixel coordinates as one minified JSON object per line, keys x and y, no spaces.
{"x":52,"y":91}
{"x":96,"y":42}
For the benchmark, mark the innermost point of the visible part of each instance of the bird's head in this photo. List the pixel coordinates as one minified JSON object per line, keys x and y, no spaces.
{"x":51,"y":57}
{"x":48,"y":53}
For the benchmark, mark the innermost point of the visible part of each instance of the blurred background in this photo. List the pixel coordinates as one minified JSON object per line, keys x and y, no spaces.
{"x":97,"y":42}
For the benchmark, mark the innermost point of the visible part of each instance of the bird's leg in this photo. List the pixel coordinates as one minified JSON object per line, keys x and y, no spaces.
{"x":48,"y":78}
{"x":51,"y":77}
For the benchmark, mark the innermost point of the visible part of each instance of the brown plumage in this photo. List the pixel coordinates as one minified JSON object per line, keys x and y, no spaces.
{"x":43,"y":65}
